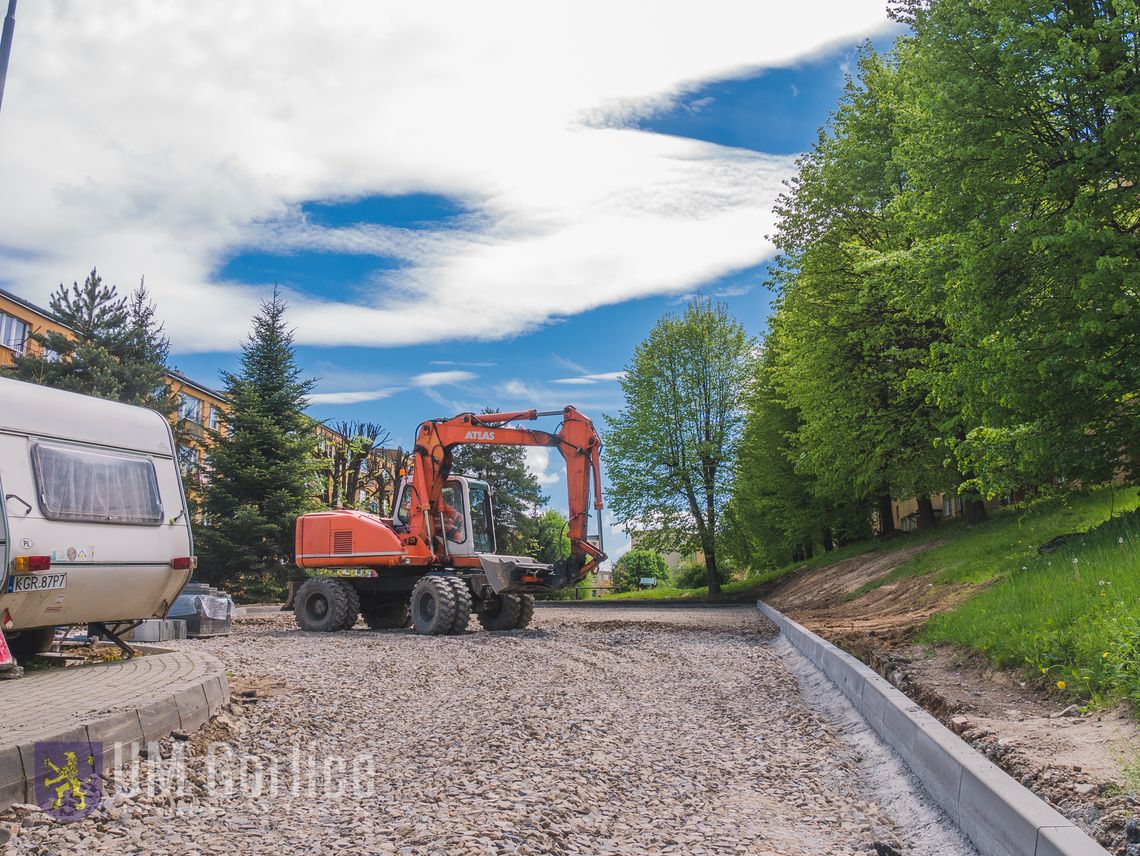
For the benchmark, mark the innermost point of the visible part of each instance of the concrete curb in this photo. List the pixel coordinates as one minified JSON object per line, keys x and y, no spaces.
{"x":117,"y":735}
{"x":1000,"y":816}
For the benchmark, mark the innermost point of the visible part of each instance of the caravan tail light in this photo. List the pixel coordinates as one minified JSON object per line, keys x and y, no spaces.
{"x":184,"y":563}
{"x":6,"y":622}
{"x":25,"y":564}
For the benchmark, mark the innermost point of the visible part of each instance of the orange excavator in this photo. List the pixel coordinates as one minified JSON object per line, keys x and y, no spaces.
{"x":433,"y":562}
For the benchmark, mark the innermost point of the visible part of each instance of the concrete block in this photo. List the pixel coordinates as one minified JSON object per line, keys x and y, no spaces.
{"x":899,"y":725}
{"x":193,"y":708}
{"x":853,"y":687}
{"x":873,"y":702}
{"x":216,"y":689}
{"x":159,"y":718}
{"x":831,"y":661}
{"x":1000,"y":816}
{"x":1066,"y":841}
{"x":11,"y":777}
{"x":122,"y":728}
{"x":937,"y":758}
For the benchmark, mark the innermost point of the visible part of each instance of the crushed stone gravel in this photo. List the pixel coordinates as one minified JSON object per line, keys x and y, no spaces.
{"x":648,"y":731}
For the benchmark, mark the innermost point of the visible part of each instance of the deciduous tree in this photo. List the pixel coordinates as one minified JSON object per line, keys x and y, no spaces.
{"x":669,"y":452}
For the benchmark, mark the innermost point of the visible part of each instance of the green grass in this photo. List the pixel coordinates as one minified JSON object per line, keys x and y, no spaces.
{"x":978,"y":554}
{"x":741,"y":589}
{"x":1072,"y":617}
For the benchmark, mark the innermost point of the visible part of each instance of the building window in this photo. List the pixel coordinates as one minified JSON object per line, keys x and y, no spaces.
{"x":215,"y":417}
{"x":189,"y":408}
{"x":187,"y":460}
{"x":100,"y":487}
{"x":13,"y":333}
{"x":49,"y":356}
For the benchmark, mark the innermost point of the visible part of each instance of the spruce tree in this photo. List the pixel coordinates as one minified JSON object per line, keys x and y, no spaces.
{"x":117,"y":349}
{"x":262,"y":471}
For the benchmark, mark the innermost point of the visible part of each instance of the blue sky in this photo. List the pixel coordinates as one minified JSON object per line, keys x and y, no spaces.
{"x":464,"y":207}
{"x":777,"y":111}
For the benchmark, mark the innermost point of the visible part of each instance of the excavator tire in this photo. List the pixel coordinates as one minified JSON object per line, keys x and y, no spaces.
{"x":526,"y":611}
{"x":462,"y":605}
{"x":500,"y":612}
{"x":321,"y":605}
{"x":433,"y":606}
{"x":353,"y":604}
{"x":393,"y":616}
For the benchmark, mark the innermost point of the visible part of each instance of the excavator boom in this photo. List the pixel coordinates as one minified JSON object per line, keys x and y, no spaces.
{"x":578,"y":443}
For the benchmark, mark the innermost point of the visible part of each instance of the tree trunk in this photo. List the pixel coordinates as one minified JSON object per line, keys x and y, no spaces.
{"x":926,"y":518}
{"x":886,"y":517}
{"x":974,"y":511}
{"x":828,"y":541}
{"x":710,"y":571}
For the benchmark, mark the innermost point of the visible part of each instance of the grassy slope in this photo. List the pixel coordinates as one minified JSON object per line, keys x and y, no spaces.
{"x":1072,"y":616}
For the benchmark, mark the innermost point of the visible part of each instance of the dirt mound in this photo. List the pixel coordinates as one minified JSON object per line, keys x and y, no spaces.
{"x":822,"y":600}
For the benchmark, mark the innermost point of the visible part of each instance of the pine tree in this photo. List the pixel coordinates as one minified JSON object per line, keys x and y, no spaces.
{"x":262,"y":471}
{"x":117,"y":349}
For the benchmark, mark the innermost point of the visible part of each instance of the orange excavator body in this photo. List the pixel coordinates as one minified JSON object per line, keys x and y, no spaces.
{"x":420,"y":541}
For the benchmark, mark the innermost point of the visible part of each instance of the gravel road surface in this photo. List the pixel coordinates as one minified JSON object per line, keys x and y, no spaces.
{"x":594,"y":731}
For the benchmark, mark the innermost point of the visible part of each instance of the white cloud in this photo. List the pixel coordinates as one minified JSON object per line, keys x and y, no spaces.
{"x":546,"y":466}
{"x":160,"y":139}
{"x":585,"y":380}
{"x":520,"y":391}
{"x":447,"y":378}
{"x":351,"y":397}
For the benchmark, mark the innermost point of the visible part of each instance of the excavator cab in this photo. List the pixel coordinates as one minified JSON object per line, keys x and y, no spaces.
{"x":467,"y":517}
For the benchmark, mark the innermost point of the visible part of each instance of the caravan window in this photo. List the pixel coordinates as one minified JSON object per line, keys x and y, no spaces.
{"x":101,"y":487}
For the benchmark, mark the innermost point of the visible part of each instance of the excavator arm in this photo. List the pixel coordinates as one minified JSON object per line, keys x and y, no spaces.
{"x":580,"y":447}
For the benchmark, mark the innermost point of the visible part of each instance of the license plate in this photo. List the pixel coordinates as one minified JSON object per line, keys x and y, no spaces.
{"x":18,"y":583}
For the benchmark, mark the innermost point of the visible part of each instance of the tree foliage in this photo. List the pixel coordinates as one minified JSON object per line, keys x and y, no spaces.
{"x":261,"y":465}
{"x":669,"y":452}
{"x":958,"y":284}
{"x":117,"y":349}
{"x":1022,"y":154}
{"x":550,"y":540}
{"x":352,"y":473}
{"x":778,"y":512}
{"x":635,"y":565}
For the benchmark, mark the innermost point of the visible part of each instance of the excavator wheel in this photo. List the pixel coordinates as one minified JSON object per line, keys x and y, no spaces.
{"x":526,"y":611}
{"x":353,"y":612}
{"x":392,"y":616}
{"x":462,"y":605}
{"x":433,"y":606}
{"x":500,"y":612}
{"x":321,"y":604}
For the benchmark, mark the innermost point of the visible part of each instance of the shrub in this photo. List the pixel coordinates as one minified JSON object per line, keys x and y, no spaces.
{"x":630,"y":568}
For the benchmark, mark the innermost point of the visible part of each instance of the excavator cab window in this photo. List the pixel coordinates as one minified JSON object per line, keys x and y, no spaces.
{"x":404,"y":510}
{"x":454,"y":518}
{"x":482,"y":526}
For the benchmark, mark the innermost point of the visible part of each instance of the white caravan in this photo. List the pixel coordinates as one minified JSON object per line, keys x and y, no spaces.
{"x":93,"y":526}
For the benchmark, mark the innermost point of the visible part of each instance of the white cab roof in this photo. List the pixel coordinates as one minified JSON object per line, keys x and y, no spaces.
{"x":26,"y":408}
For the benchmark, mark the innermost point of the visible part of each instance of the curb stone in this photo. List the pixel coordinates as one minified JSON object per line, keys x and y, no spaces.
{"x":120,"y":730}
{"x":1000,"y":816}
